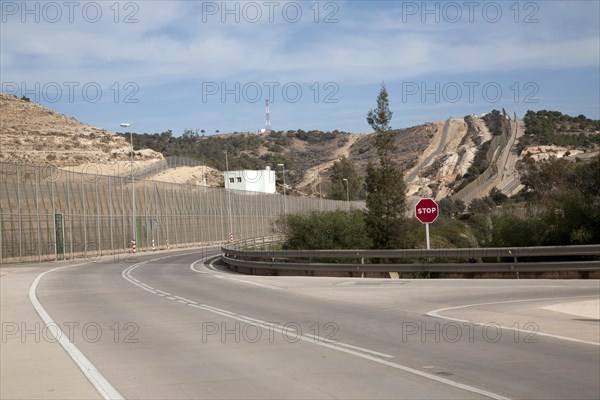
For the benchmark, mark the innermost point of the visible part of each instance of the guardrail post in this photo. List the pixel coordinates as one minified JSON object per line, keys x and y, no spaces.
{"x":515,"y":260}
{"x":362,"y":262}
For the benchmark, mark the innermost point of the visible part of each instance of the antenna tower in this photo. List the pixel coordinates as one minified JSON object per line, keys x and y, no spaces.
{"x":268,"y":117}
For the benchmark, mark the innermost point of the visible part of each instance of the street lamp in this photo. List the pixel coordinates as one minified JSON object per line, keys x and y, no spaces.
{"x":347,"y":194}
{"x":320,"y":191}
{"x":133,"y":243}
{"x":228,"y":197}
{"x":284,"y":202}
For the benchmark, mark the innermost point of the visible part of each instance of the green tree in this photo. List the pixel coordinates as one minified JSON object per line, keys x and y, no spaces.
{"x":344,"y":169}
{"x":384,"y":184}
{"x":451,"y":207}
{"x":325,"y":231}
{"x":380,"y":117}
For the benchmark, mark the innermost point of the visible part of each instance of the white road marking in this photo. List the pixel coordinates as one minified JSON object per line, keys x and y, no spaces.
{"x":102,"y":385}
{"x":185,"y":300}
{"x":227,"y":277}
{"x":361,"y":349}
{"x":348,"y":349}
{"x":193,"y":267}
{"x":262,"y":285}
{"x":436,"y":314}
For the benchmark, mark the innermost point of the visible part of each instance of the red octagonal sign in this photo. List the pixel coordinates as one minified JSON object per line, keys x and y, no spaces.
{"x":427,"y":211}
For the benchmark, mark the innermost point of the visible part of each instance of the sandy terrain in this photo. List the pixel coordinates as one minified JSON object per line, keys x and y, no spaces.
{"x":445,"y":147}
{"x":32,"y":134}
{"x":539,"y":153}
{"x":202,"y":176}
{"x":114,"y":168}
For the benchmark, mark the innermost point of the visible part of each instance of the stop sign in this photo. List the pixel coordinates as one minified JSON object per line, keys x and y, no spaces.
{"x":427,"y":211}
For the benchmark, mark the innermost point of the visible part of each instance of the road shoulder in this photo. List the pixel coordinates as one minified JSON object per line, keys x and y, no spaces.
{"x":32,"y":364}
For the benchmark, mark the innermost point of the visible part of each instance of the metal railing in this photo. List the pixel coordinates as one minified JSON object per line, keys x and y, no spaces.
{"x":256,"y":254}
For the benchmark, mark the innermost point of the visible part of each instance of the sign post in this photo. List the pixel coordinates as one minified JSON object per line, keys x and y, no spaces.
{"x":427,"y":211}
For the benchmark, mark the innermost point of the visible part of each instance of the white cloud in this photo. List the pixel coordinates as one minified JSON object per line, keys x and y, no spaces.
{"x":171,"y":45}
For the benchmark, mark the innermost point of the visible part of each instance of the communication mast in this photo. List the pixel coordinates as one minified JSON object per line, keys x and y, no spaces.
{"x":268,"y":117}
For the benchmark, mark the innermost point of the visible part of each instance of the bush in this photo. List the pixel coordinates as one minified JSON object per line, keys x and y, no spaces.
{"x":326,"y":231}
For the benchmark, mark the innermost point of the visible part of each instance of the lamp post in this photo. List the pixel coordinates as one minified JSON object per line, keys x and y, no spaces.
{"x":320,"y":191}
{"x":284,"y":202}
{"x":347,"y":194}
{"x":228,"y":197}
{"x":133,"y":236}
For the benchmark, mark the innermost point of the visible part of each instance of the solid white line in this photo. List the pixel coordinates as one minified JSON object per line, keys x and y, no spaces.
{"x":436,"y":314}
{"x":230,"y":278}
{"x":262,"y":285}
{"x":352,"y":350}
{"x":349,"y":349}
{"x":184,"y":299}
{"x":102,"y":385}
{"x":324,"y":342}
{"x":360,"y":349}
{"x":193,"y":265}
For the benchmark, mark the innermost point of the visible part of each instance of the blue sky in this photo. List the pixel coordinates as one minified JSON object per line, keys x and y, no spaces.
{"x":163,"y":65}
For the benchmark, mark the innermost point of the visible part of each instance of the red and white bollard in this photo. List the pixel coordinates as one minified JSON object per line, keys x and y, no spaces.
{"x":133,"y":246}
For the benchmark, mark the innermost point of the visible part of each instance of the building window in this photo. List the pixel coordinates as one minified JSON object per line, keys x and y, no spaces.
{"x":231,"y":180}
{"x":239,"y":180}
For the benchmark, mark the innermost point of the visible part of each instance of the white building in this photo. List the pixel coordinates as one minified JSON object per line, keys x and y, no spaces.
{"x":251,"y":180}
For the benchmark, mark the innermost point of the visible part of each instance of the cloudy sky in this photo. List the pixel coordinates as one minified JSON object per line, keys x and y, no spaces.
{"x":163,"y":65}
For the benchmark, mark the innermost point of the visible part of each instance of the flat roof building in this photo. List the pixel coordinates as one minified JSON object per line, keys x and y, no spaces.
{"x":260,"y":181}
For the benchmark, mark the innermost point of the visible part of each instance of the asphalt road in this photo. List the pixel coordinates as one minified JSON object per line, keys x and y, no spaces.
{"x":177,"y":327}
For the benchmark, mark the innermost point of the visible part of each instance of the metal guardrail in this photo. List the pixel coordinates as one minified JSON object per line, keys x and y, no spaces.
{"x":255,"y":254}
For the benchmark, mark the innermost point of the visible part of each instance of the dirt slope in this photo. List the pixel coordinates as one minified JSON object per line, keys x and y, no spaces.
{"x":30,"y":133}
{"x":311,"y":176}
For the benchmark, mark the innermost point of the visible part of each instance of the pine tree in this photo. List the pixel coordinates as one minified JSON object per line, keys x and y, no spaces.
{"x":384,"y":183}
{"x":380,"y":118}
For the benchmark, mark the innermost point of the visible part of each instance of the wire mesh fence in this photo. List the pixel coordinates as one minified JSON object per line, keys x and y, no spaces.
{"x":48,"y":213}
{"x":479,"y":186}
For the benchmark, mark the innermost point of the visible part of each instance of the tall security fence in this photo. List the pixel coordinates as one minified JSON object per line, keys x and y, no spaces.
{"x":48,"y":213}
{"x":480,"y":186}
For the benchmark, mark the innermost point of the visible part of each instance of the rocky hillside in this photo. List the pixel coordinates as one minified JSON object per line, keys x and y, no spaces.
{"x":30,"y":133}
{"x":461,"y":157}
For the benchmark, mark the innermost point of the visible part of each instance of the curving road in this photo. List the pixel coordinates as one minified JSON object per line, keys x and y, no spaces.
{"x":175,"y":325}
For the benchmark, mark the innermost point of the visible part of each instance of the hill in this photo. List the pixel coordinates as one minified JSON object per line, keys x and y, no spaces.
{"x":32,"y":134}
{"x":461,"y":157}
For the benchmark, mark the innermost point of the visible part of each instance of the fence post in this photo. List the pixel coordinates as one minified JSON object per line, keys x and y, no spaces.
{"x":37,"y":214}
{"x":19,"y":213}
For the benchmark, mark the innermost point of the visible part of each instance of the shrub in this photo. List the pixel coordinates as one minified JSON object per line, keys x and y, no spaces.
{"x":326,"y":230}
